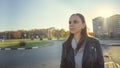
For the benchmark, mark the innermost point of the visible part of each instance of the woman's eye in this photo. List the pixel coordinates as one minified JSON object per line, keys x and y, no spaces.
{"x":69,"y":22}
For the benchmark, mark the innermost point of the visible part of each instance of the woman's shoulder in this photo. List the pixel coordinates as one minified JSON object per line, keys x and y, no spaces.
{"x":64,"y":43}
{"x":92,"y":39}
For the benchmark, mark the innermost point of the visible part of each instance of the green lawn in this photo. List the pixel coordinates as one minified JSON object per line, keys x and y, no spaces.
{"x":29,"y":43}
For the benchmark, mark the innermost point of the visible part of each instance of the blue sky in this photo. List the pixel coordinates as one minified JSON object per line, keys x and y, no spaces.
{"x":37,"y":14}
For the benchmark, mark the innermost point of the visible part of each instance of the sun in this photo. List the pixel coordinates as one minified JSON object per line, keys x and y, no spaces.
{"x":105,"y":11}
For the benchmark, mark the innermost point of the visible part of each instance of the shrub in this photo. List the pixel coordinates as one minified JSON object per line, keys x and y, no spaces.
{"x":22,"y":43}
{"x":41,"y":38}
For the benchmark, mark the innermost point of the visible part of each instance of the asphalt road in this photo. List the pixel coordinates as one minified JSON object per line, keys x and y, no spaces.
{"x":46,"y":57}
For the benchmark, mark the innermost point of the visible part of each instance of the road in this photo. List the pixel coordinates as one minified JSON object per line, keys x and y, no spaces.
{"x":46,"y":57}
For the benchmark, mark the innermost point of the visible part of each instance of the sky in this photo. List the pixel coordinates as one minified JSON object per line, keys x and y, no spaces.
{"x":38,"y":14}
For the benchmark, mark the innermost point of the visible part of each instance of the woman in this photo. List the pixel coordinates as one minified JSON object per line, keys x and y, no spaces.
{"x":80,"y":50}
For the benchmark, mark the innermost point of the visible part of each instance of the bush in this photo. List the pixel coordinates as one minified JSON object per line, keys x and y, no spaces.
{"x":49,"y":38}
{"x":32,"y":38}
{"x":22,"y":43}
{"x":41,"y":38}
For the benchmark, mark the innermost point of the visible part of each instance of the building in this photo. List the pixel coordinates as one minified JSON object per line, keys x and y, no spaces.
{"x":107,"y":27}
{"x":114,"y":26}
{"x":50,"y":33}
{"x":98,"y":29}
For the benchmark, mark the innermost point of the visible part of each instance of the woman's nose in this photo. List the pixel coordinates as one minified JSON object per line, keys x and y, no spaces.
{"x":71,"y":25}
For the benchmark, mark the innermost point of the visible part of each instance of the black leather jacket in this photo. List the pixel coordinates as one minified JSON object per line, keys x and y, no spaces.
{"x":92,"y":56}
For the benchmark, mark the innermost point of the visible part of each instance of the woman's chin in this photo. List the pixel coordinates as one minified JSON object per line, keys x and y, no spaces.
{"x":72,"y":32}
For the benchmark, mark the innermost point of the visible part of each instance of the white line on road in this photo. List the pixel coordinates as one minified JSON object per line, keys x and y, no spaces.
{"x":118,"y":65}
{"x":109,"y":62}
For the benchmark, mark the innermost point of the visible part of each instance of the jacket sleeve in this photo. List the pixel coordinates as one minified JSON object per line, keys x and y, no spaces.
{"x":62,"y":57}
{"x":100,"y":59}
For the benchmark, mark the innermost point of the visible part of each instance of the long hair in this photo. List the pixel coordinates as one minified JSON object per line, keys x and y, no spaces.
{"x":84,"y":35}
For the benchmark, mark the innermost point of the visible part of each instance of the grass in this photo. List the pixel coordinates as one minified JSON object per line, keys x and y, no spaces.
{"x":56,"y":38}
{"x":29,"y":43}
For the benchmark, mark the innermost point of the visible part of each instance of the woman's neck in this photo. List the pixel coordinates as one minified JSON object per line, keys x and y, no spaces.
{"x":77,"y":37}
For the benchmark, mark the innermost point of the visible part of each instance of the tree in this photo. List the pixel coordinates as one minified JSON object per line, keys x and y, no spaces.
{"x":56,"y":34}
{"x":62,"y":33}
{"x":16,"y":35}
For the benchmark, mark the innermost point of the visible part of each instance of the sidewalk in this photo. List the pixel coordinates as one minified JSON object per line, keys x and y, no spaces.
{"x":110,"y":42}
{"x":108,"y":61}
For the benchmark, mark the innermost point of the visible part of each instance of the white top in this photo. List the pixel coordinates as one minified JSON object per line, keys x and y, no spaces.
{"x":78,"y":56}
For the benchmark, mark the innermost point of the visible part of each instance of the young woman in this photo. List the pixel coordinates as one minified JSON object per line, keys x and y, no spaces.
{"x":80,"y":50}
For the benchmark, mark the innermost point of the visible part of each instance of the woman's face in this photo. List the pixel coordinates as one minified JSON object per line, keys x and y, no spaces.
{"x":75,"y":24}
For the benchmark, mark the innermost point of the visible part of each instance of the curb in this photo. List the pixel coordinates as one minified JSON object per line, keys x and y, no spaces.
{"x":20,"y":48}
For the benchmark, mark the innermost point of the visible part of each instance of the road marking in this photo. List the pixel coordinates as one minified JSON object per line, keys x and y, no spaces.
{"x":118,"y":65}
{"x":109,"y":62}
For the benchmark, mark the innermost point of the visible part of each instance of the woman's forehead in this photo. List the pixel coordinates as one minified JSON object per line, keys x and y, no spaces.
{"x":74,"y":17}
